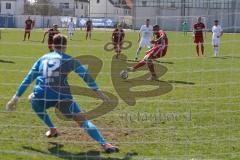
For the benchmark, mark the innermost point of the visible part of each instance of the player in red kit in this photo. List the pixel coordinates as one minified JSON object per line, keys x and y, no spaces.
{"x":198,"y":29}
{"x":118,"y":36}
{"x":28,"y":27}
{"x":159,"y":49}
{"x":51,"y":32}
{"x":88,"y":29}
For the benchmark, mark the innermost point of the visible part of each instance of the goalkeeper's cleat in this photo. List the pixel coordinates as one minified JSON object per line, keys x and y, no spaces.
{"x":109,"y":148}
{"x":52,"y":132}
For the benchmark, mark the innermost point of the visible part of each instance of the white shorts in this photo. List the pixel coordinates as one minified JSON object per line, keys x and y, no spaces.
{"x":145,"y":42}
{"x":215,"y":41}
{"x":70,"y":30}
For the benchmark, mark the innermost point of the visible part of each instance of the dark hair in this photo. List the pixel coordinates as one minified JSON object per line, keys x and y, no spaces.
{"x":147,"y":19}
{"x":216,"y":21}
{"x":59,"y":41}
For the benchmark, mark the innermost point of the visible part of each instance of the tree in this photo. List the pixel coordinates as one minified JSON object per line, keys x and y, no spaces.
{"x":41,"y":7}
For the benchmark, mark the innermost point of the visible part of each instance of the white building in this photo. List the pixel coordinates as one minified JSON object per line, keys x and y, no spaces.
{"x":12,"y":7}
{"x":170,"y":14}
{"x":110,"y":8}
{"x":78,"y":8}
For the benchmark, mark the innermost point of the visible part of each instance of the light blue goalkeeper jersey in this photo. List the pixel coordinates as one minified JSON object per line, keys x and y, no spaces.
{"x":51,"y":72}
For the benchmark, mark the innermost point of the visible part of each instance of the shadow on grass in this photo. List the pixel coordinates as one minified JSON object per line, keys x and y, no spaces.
{"x":4,"y":61}
{"x":181,"y":82}
{"x":157,"y":61}
{"x":37,"y":41}
{"x":56,"y":150}
{"x":226,"y":57}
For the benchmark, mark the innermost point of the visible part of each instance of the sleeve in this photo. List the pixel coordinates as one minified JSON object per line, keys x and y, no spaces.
{"x":31,"y":76}
{"x":84,"y":74}
{"x":140,"y":31}
{"x":221,"y":30}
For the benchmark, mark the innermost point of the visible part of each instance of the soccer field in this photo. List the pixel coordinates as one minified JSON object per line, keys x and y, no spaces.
{"x":191,"y":113}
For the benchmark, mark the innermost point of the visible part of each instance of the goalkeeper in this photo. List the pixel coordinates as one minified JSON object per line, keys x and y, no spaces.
{"x":51,"y":72}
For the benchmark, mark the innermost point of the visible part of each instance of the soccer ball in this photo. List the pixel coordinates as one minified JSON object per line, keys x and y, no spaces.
{"x":124,"y":74}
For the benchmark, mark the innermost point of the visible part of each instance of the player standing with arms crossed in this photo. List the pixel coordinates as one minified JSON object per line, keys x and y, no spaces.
{"x":118,"y":36}
{"x":51,"y":32}
{"x":51,"y":72}
{"x":88,"y":29}
{"x":29,"y":24}
{"x":145,"y":35}
{"x":160,"y":45}
{"x":71,"y":28}
{"x":198,"y":29}
{"x":217,"y":32}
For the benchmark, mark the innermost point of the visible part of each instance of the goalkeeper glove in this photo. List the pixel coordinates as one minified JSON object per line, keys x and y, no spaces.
{"x":12,"y":104}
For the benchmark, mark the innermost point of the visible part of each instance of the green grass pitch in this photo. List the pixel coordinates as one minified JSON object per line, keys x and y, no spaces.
{"x":198,"y":119}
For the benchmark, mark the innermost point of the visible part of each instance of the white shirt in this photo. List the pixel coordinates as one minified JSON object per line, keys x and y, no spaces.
{"x":216,"y":30}
{"x":146,"y":32}
{"x":71,"y":25}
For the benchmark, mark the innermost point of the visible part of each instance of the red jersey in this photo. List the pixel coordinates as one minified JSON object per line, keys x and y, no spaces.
{"x":118,"y":35}
{"x":51,"y":34}
{"x":198,"y":28}
{"x":28,"y":24}
{"x":164,"y":39}
{"x":89,"y":24}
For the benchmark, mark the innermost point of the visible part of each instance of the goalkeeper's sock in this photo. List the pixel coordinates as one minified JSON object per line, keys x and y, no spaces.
{"x":43,"y":115}
{"x":93,"y":132}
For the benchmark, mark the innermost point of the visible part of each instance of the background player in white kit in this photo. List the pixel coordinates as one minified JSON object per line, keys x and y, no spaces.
{"x":217,"y":32}
{"x":71,"y":28}
{"x":145,"y":34}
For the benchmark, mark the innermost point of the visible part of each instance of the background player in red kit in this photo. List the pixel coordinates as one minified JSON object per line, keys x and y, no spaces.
{"x":88,"y":29}
{"x":198,"y":35}
{"x":118,"y":36}
{"x":51,"y":32}
{"x":29,"y":24}
{"x":159,"y":49}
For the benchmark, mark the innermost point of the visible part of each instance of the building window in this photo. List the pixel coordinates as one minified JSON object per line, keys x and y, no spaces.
{"x":144,"y":3}
{"x":98,"y":1}
{"x":8,"y":6}
{"x":76,"y":3}
{"x":64,"y":5}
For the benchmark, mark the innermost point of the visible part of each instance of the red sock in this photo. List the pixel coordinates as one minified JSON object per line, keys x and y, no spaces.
{"x":139,"y":64}
{"x":151,"y":68}
{"x":197,"y":48}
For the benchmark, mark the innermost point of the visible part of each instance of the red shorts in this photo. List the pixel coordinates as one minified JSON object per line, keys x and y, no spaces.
{"x":89,"y":29}
{"x":198,"y":39}
{"x":157,"y":52}
{"x":117,"y":46}
{"x":27,"y":30}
